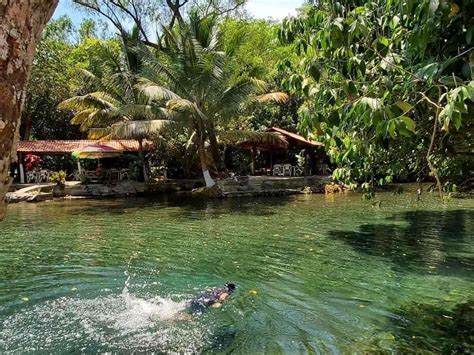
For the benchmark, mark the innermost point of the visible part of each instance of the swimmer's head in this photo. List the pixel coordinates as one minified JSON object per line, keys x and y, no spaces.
{"x":230,"y":286}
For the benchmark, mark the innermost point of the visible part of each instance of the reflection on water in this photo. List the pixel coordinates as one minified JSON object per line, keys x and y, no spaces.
{"x":423,"y":328}
{"x":428,"y":240}
{"x":331,"y":273}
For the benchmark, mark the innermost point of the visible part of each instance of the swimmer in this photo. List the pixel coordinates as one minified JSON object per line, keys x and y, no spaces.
{"x":213,"y":298}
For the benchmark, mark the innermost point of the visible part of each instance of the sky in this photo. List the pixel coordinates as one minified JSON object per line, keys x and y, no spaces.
{"x":276,"y":9}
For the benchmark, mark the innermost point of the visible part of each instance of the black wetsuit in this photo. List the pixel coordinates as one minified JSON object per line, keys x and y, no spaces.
{"x":202,"y":301}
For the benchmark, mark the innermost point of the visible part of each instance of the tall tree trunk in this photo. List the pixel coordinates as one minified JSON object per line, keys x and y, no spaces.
{"x":142,"y":159}
{"x":21,"y":24}
{"x":214,"y":147}
{"x":28,"y":126}
{"x":205,"y":166}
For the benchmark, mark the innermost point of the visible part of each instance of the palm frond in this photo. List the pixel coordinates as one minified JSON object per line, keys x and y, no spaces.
{"x":151,"y":63}
{"x":97,"y":119}
{"x":134,"y":112}
{"x":260,"y":85}
{"x":81,"y":116}
{"x":137,"y":129}
{"x":99,"y":133}
{"x":90,"y":79}
{"x":278,"y":97}
{"x":154,"y":91}
{"x":183,"y":106}
{"x":228,"y":103}
{"x":98,"y":100}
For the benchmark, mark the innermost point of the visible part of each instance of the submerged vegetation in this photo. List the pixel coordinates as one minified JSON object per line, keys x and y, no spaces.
{"x":423,"y":328}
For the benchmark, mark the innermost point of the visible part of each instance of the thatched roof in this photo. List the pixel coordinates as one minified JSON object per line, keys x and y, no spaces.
{"x":296,"y":139}
{"x":285,"y":140}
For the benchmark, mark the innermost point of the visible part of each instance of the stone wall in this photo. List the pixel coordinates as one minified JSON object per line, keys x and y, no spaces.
{"x":128,"y":188}
{"x":272,"y":185}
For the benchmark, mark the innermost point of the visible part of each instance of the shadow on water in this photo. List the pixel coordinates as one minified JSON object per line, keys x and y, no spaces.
{"x":430,"y":240}
{"x":185,"y":205}
{"x":422,"y":328}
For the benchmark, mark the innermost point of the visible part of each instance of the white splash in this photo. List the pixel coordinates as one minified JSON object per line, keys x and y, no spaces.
{"x":141,"y":311}
{"x":122,"y":322}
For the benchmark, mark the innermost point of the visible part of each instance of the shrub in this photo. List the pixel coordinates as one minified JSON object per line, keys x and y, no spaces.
{"x":58,"y":177}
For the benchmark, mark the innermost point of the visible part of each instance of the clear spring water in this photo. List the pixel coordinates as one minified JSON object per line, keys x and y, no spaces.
{"x":315,"y":274}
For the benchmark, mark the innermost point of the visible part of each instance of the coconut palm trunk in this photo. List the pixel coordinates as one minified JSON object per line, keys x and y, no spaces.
{"x":204,"y":160}
{"x":21,"y":25}
{"x":214,"y":148}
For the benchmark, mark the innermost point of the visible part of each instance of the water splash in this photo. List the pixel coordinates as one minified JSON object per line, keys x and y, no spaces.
{"x":140,"y":311}
{"x":112,"y":322}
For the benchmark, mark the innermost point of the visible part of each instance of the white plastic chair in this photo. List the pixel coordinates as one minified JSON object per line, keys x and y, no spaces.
{"x":277,"y":170}
{"x":30,"y":177}
{"x":297,"y":171}
{"x":287,"y":169}
{"x":43,"y":176}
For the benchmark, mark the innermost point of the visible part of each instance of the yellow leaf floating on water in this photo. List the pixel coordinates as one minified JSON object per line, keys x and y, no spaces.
{"x":26,"y":299}
{"x":74,"y":289}
{"x":361,"y":306}
{"x":253,"y":292}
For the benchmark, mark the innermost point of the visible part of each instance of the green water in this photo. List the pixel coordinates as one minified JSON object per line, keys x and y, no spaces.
{"x":331,"y":274}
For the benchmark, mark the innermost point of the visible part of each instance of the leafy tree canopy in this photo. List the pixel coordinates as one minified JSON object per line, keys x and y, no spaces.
{"x":59,"y":56}
{"x":377,"y":75}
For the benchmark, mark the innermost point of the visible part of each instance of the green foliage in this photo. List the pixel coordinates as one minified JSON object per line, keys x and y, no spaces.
{"x":375,"y":76}
{"x":55,"y":77}
{"x":58,"y":177}
{"x":52,"y":79}
{"x":114,"y":106}
{"x":253,"y":48}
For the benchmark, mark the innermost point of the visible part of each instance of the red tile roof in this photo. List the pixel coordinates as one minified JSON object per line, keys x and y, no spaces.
{"x":67,"y":147}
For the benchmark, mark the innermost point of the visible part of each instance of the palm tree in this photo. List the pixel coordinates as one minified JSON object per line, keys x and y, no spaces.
{"x":115,"y":108}
{"x":187,"y":80}
{"x":192,"y":64}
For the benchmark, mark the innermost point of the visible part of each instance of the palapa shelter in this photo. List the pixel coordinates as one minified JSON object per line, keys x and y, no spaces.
{"x":284,"y":142}
{"x":68,"y":147}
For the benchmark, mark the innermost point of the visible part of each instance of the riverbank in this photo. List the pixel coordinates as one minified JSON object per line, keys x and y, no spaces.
{"x":246,"y":186}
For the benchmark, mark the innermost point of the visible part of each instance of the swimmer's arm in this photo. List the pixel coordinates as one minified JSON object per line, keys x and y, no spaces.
{"x":223,"y":296}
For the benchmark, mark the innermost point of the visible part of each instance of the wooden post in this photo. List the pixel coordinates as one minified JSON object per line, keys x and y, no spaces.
{"x":22,"y":173}
{"x":252,"y":166}
{"x":307,"y":158}
{"x":21,"y":169}
{"x":271,"y":162}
